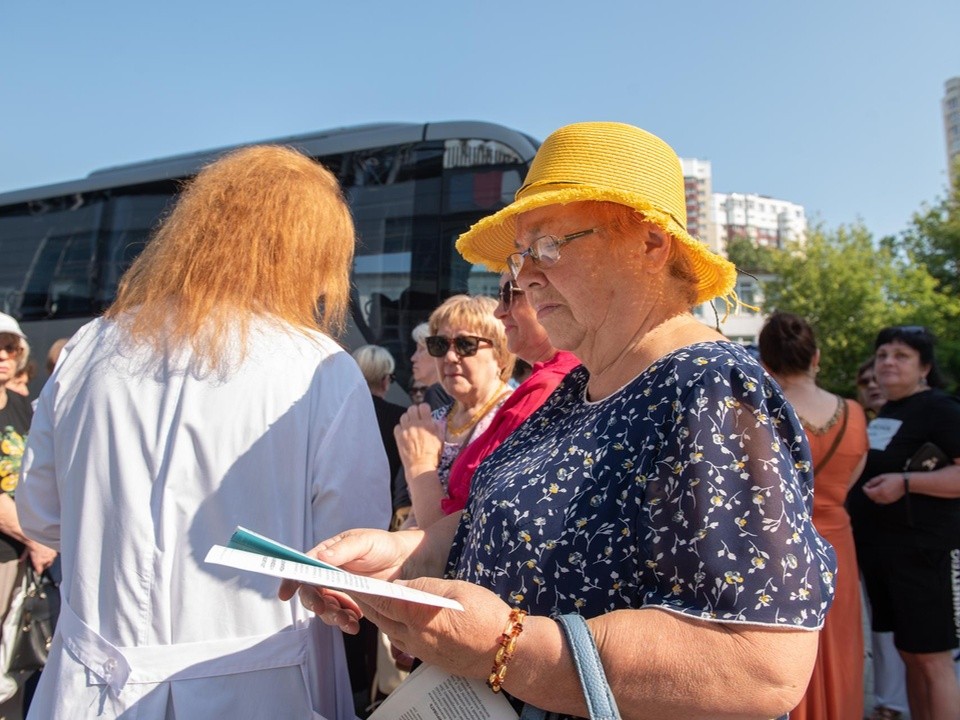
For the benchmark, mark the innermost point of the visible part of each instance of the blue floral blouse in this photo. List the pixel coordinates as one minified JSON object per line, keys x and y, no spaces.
{"x":689,"y":489}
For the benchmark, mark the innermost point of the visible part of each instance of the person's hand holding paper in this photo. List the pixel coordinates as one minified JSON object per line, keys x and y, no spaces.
{"x":372,"y":553}
{"x":377,"y":554}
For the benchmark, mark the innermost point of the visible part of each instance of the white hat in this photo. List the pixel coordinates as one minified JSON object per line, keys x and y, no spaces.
{"x":9,"y":325}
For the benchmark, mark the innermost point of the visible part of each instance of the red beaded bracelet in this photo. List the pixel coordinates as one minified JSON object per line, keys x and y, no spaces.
{"x":508,"y":646}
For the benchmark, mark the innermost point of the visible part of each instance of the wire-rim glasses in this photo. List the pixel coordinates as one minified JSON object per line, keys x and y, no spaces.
{"x":463,"y":345}
{"x":544,"y":251}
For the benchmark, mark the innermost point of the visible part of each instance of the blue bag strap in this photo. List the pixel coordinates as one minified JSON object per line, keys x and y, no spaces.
{"x":601,"y":704}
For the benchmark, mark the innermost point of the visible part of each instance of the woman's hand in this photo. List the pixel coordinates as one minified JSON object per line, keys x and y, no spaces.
{"x":40,"y":556}
{"x":419,"y":440}
{"x":373,"y":553}
{"x":462,"y":643}
{"x":886,"y":488}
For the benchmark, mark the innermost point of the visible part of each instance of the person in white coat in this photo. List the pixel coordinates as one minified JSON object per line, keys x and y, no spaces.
{"x":210,"y":395}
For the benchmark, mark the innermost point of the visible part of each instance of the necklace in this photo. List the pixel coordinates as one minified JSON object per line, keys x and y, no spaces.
{"x":822,"y":430}
{"x":476,"y":417}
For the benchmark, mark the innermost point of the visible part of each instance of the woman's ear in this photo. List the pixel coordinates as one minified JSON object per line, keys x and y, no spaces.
{"x":656,"y":248}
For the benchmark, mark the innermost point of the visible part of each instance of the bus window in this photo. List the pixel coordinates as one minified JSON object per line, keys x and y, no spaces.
{"x":394,"y":194}
{"x":132,"y":215}
{"x":49,"y":251}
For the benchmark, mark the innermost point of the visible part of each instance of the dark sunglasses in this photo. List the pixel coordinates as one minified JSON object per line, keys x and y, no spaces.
{"x":506,"y":294}
{"x":910,"y":329}
{"x":13,"y":349}
{"x":463,"y":345}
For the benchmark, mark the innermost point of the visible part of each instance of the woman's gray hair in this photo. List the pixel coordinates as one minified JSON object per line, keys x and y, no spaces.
{"x":375,"y":363}
{"x":24,"y":354}
{"x":420,"y":333}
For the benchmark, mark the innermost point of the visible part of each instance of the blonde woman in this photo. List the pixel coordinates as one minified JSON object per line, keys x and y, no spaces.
{"x":211,"y":394}
{"x":469,"y":346}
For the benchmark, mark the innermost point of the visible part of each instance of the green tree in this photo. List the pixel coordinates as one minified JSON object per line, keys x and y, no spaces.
{"x":933,"y":238}
{"x":747,"y":255}
{"x":848,"y":287}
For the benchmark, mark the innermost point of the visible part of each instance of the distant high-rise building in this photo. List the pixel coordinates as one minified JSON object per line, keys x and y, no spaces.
{"x":715,"y":218}
{"x":698,"y":185}
{"x":765,"y":220}
{"x":951,"y":121}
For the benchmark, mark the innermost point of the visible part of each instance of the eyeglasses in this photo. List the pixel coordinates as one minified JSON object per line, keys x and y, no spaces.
{"x":418,"y":390}
{"x":13,"y":348}
{"x":864,"y":381}
{"x":910,"y":329}
{"x":544,"y":251}
{"x":507,"y":291}
{"x":463,"y":345}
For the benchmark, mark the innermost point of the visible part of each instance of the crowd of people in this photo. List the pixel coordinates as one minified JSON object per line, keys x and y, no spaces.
{"x":648,"y":509}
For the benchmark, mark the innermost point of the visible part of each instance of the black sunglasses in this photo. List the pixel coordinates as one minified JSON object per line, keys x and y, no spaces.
{"x":463,"y":345}
{"x":507,"y":291}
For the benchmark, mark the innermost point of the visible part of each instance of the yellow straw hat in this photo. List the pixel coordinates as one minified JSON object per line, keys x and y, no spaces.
{"x":605,"y":162}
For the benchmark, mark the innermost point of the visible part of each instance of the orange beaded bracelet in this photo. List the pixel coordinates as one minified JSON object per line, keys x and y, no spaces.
{"x":508,"y":645}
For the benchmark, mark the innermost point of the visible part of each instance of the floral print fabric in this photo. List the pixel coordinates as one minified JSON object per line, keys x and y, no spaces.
{"x":11,"y":452}
{"x":689,"y":489}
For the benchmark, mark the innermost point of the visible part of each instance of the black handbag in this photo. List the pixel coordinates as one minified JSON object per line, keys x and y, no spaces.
{"x":928,"y":457}
{"x":38,"y":619}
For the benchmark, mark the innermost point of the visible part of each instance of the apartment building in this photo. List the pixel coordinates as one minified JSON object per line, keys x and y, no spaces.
{"x":715,"y":218}
{"x":765,"y":220}
{"x":951,"y":121}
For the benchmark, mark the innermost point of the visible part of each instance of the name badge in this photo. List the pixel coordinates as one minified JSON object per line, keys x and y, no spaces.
{"x":880,"y":432}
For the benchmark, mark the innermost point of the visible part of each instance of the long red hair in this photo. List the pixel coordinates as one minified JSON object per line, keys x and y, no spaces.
{"x":262,"y":232}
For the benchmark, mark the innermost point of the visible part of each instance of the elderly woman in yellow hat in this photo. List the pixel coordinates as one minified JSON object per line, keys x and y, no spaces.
{"x":662,"y":493}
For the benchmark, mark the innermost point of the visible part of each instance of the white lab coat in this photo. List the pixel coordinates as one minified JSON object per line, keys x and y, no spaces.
{"x":136,"y":467}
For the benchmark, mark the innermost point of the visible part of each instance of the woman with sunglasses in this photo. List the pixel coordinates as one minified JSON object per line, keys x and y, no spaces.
{"x":425,"y":383}
{"x":905,"y":510}
{"x":16,"y":549}
{"x":889,"y":675}
{"x":650,"y":523}
{"x":528,"y":340}
{"x":869,"y":393}
{"x":469,"y":346}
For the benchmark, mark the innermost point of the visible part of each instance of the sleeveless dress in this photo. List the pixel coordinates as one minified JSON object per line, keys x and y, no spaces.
{"x":835,"y":691}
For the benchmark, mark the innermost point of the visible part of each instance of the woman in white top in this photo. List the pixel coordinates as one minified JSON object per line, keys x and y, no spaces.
{"x":210,"y":395}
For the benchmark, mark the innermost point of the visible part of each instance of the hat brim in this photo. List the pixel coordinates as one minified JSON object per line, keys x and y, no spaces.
{"x":491,"y":240}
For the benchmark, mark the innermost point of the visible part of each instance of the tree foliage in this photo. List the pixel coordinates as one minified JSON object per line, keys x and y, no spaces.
{"x":747,"y":255}
{"x":933,"y":238}
{"x":848,"y":287}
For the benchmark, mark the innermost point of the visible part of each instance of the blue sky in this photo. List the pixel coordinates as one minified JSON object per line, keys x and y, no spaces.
{"x":833,"y":105}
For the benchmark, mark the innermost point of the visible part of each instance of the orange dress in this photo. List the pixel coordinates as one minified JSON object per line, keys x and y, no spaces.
{"x":835,"y":691}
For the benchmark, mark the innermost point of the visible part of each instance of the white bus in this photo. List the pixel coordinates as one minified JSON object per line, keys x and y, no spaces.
{"x":413,"y":189}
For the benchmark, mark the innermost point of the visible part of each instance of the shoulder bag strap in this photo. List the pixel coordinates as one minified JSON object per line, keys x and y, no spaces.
{"x":837,"y":439}
{"x":601,"y":704}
